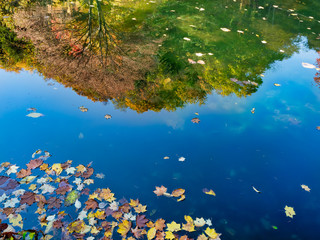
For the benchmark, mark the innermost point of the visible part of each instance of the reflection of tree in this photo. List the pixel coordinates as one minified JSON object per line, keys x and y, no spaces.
{"x":71,"y":45}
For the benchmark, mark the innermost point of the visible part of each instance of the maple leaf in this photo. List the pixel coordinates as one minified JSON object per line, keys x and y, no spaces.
{"x":137,"y":232}
{"x":46,"y":188}
{"x":160,"y":224}
{"x":160,"y":190}
{"x":107,"y":195}
{"x":140,"y":208}
{"x":100,"y":214}
{"x":202,"y":237}
{"x":11,"y":203}
{"x":195,"y":120}
{"x":44,"y":166}
{"x":33,"y":164}
{"x":76,"y":226}
{"x":211,"y":233}
{"x":160,"y":235}
{"x":28,"y":198}
{"x":173,"y":227}
{"x":289,"y":211}
{"x":199,"y":222}
{"x":23,"y":173}
{"x":117,"y":215}
{"x":189,"y":226}
{"x":124,"y":227}
{"x":57,"y":168}
{"x":71,"y":170}
{"x":134,"y":203}
{"x":170,"y":235}
{"x":91,"y":204}
{"x":57,"y":224}
{"x":88,"y":173}
{"x":16,"y":220}
{"x":141,"y":220}
{"x":12,"y":169}
{"x":178,"y":192}
{"x":151,"y":233}
{"x":81,"y":168}
{"x":54,"y":202}
{"x":7,"y":183}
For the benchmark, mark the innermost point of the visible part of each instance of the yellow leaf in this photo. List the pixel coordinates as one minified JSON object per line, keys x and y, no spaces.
{"x":81,"y":168}
{"x":106,"y":194}
{"x":57,"y":168}
{"x":211,"y":233}
{"x":305,"y":187}
{"x":151,"y":233}
{"x":169,"y":235}
{"x":210,"y":192}
{"x":134,"y":203}
{"x":140,"y":208}
{"x":289,"y":211}
{"x":183,"y":197}
{"x":16,"y":220}
{"x":33,"y":187}
{"x":202,"y":237}
{"x":173,"y":227}
{"x":100,"y":214}
{"x":124,"y":227}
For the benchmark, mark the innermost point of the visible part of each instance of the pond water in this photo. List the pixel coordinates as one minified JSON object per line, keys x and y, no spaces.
{"x":260,"y":134}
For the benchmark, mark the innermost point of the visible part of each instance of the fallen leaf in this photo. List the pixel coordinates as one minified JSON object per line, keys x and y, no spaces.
{"x":305,"y":187}
{"x":173,"y":227}
{"x":209,"y":192}
{"x":124,"y":227}
{"x":83,"y":109}
{"x":211,"y":233}
{"x":107,"y":116}
{"x":308,"y":65}
{"x":160,"y":224}
{"x":195,"y":120}
{"x":35,"y":115}
{"x":151,"y":233}
{"x":160,"y":190}
{"x":256,"y":190}
{"x":23,"y":173}
{"x":289,"y":211}
{"x":141,"y":220}
{"x":178,"y":192}
{"x":140,"y":208}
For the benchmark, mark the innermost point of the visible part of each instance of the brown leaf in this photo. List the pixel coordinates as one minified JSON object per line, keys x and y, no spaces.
{"x":91,"y":204}
{"x":160,"y":235}
{"x":57,"y":224}
{"x":23,"y":173}
{"x":125,"y":208}
{"x":141,"y":220}
{"x":88,"y":173}
{"x":28,"y":198}
{"x":160,"y":190}
{"x":160,"y":224}
{"x":34,"y":163}
{"x":178,"y":192}
{"x":195,"y":120}
{"x":54,"y":202}
{"x":137,"y":232}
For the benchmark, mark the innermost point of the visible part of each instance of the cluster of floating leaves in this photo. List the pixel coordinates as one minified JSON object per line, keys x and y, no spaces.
{"x":65,"y":206}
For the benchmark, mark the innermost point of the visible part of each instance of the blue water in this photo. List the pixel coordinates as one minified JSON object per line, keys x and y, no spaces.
{"x":230,"y":150}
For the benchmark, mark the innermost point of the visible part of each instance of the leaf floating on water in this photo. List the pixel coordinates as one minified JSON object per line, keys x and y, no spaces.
{"x":256,"y":190}
{"x":318,"y":127}
{"x":277,"y":84}
{"x":83,"y":109}
{"x":196,"y":113}
{"x":195,"y":120}
{"x":253,"y":110}
{"x":199,"y":222}
{"x":209,"y":192}
{"x":225,"y":29}
{"x":160,"y":190}
{"x":289,"y":211}
{"x":212,"y":233}
{"x":308,"y":65}
{"x":166,"y":157}
{"x":275,"y":227}
{"x":32,"y":109}
{"x":178,"y":192}
{"x":100,"y":175}
{"x":107,"y":116}
{"x":173,"y":227}
{"x":181,"y":159}
{"x":305,"y":187}
{"x":35,"y":115}
{"x":183,"y":197}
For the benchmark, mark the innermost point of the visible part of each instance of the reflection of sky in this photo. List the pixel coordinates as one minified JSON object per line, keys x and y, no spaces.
{"x":231,"y":149}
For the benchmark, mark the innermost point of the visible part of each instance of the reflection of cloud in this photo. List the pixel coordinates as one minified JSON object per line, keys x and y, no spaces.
{"x":219,"y":103}
{"x":285,"y":118}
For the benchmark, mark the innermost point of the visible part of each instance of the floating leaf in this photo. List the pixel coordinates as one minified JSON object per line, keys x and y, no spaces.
{"x":151,"y":233}
{"x":160,"y":190}
{"x":173,"y":227}
{"x":305,"y":187}
{"x":124,"y":227}
{"x":308,"y":65}
{"x":35,"y":115}
{"x":211,"y":233}
{"x":195,"y":120}
{"x":178,"y":192}
{"x":71,"y":198}
{"x":289,"y":211}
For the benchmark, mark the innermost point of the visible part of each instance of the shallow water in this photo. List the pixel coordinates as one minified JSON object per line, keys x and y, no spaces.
{"x":274,"y":149}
